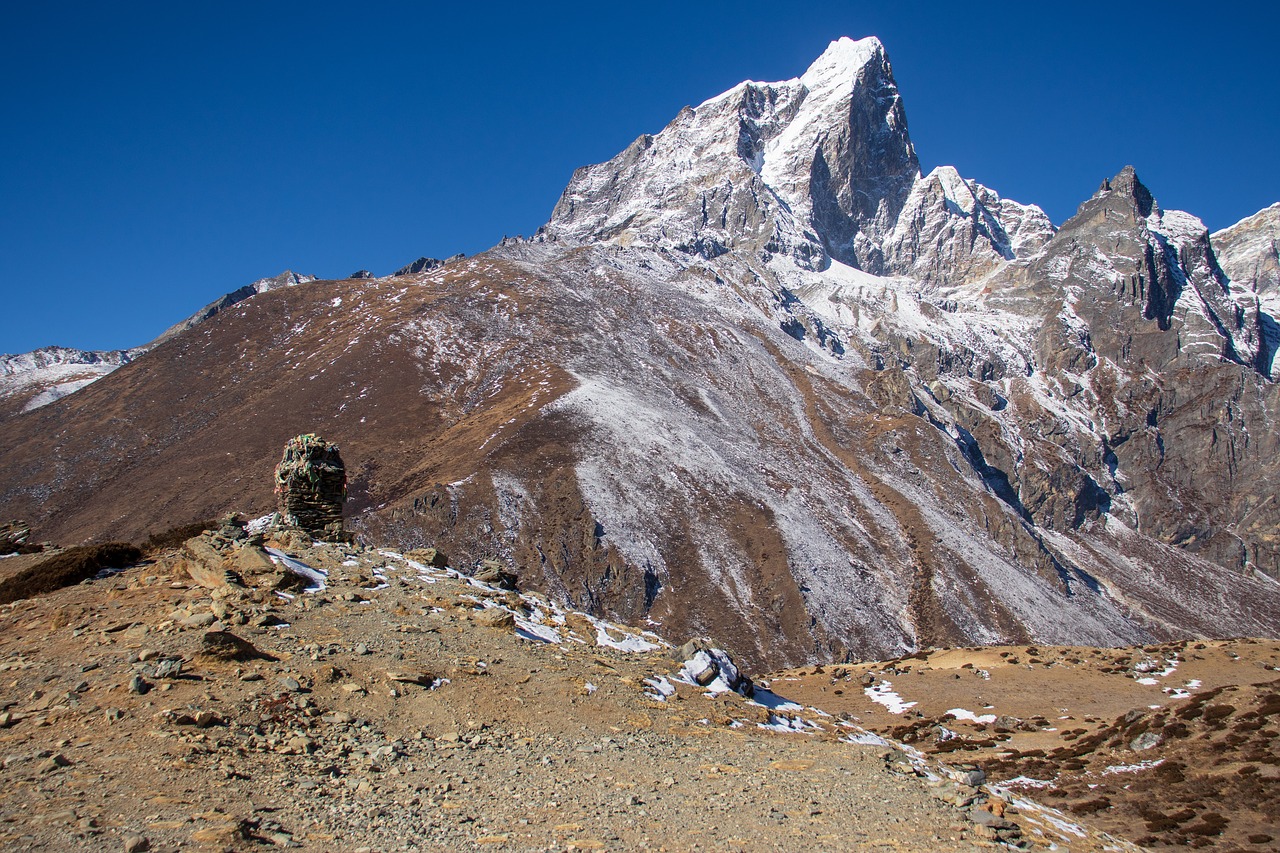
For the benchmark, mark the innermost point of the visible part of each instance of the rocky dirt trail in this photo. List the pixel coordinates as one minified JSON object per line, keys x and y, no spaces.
{"x":224,"y":696}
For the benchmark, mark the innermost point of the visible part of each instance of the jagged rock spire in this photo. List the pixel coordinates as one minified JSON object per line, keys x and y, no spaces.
{"x":817,"y":168}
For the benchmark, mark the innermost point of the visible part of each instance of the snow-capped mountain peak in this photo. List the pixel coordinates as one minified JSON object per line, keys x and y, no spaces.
{"x":34,"y":379}
{"x":816,"y":168}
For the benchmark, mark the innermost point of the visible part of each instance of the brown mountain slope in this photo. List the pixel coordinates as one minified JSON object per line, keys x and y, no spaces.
{"x":641,"y":437}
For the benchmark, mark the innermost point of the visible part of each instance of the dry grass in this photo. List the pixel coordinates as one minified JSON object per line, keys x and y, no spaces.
{"x":175,"y":536}
{"x":70,"y":567}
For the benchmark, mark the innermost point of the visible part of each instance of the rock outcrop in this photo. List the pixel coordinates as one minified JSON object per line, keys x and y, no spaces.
{"x":288,"y":278}
{"x":426,"y":265}
{"x":14,"y":536}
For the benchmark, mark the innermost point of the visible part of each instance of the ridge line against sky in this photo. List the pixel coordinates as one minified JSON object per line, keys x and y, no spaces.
{"x":165,"y":154}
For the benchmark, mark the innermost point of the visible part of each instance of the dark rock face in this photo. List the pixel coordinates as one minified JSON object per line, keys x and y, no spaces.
{"x":311,"y":486}
{"x":426,"y":265}
{"x":1249,"y":253}
{"x":862,"y":174}
{"x":1143,"y":330}
{"x":14,"y":536}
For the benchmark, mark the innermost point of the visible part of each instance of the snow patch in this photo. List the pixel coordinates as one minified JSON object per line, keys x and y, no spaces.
{"x":317,"y":577}
{"x":882,"y":693}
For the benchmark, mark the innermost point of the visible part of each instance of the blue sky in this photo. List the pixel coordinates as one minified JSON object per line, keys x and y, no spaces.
{"x":159,"y":155}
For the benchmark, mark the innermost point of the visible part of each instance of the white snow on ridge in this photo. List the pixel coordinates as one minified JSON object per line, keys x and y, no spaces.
{"x":52,"y":373}
{"x":828,"y":81}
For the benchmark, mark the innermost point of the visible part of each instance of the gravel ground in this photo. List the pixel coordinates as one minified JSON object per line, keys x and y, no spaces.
{"x":404,"y":707}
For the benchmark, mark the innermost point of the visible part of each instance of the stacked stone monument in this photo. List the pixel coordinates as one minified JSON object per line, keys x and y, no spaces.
{"x":311,"y":486}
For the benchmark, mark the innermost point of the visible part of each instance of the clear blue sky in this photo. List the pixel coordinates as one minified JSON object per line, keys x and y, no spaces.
{"x":156,"y":156}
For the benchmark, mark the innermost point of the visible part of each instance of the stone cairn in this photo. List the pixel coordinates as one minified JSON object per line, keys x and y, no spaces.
{"x":311,"y":486}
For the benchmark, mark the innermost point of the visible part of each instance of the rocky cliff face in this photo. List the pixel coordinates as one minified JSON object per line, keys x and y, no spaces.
{"x":761,"y":379}
{"x":1249,"y":256}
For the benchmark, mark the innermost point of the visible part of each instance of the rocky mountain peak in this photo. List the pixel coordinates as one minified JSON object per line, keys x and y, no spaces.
{"x":1158,"y":280}
{"x":425,"y":264}
{"x":818,"y":168}
{"x":801,"y":167}
{"x":34,"y":379}
{"x":1127,"y":185}
{"x":1249,"y":251}
{"x":845,"y":163}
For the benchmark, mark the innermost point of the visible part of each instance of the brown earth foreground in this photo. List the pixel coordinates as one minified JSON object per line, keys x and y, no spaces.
{"x":203,"y":701}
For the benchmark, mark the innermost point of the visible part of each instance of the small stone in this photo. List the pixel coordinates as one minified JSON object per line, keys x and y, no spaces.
{"x":138,"y":685}
{"x":425,"y":679}
{"x":428,"y":557}
{"x":290,"y":683}
{"x":283,"y":839}
{"x":982,"y":817}
{"x":227,"y":646}
{"x":361,"y":649}
{"x":286,"y":581}
{"x":169,"y":668}
{"x":252,"y":560}
{"x":986,"y":833}
{"x":198,"y":620}
{"x":495,"y":573}
{"x":703,"y":669}
{"x":136,"y":844}
{"x":302,"y":745}
{"x":1005,"y":724}
{"x":148,"y":654}
{"x":493,"y":617}
{"x":205,"y":719}
{"x":53,"y":762}
{"x":1146,"y":740}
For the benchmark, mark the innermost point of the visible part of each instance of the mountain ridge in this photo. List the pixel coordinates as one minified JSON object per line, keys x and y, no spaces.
{"x":814,"y":426}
